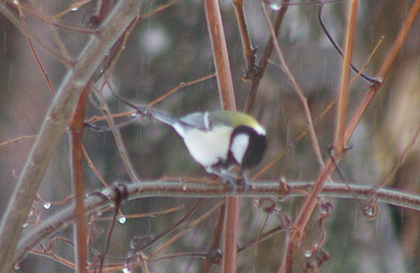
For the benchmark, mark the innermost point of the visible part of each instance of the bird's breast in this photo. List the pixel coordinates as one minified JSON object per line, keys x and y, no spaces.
{"x":208,"y":147}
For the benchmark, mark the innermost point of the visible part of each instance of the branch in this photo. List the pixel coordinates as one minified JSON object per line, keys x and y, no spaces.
{"x":175,"y":189}
{"x":55,"y":122}
{"x":345,"y":80}
{"x":227,"y":96}
{"x":76,"y":128}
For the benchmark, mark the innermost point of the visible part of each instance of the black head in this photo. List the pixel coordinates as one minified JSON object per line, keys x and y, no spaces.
{"x":254,"y":153}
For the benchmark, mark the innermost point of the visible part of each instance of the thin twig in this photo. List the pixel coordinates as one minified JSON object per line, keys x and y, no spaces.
{"x":303,"y":99}
{"x":365,"y":65}
{"x":338,"y":48}
{"x":407,"y":150}
{"x":253,"y":89}
{"x":51,"y":29}
{"x":16,"y":140}
{"x":4,"y":10}
{"x":122,"y":150}
{"x":247,"y":48}
{"x":31,"y":45}
{"x":177,"y":236}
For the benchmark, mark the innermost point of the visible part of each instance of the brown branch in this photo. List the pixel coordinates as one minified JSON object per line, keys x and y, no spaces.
{"x":227,"y":95}
{"x":56,"y":120}
{"x":252,"y":94}
{"x":249,"y":51}
{"x":215,"y":245}
{"x":76,"y":129}
{"x":220,"y":54}
{"x":343,"y":95}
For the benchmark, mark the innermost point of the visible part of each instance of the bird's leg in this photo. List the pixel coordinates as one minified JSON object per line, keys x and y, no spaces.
{"x":227,"y":176}
{"x":243,"y":179}
{"x":232,"y":178}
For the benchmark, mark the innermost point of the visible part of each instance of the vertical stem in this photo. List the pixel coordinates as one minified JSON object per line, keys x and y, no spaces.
{"x":249,"y":51}
{"x":231,"y":234}
{"x":220,"y":54}
{"x":76,"y":128}
{"x":224,"y":79}
{"x":345,"y":79}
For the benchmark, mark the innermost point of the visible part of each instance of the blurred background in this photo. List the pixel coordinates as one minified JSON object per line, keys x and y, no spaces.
{"x":173,"y":46}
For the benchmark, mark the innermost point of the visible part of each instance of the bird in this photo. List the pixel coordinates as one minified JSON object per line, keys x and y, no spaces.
{"x":217,"y":140}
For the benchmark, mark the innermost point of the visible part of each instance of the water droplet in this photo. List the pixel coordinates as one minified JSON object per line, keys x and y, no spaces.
{"x":307,"y":254}
{"x":17,"y":266}
{"x":134,"y":114}
{"x":75,"y":8}
{"x":275,"y":6}
{"x":126,"y":270}
{"x":47,"y":205}
{"x":25,"y":225}
{"x":16,"y":2}
{"x":184,"y":187}
{"x":122,"y":219}
{"x":371,"y":211}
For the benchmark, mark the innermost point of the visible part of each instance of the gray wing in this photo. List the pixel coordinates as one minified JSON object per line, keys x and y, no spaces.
{"x":197,"y":120}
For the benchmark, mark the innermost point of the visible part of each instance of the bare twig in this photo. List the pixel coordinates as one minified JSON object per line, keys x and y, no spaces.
{"x":407,"y":150}
{"x":303,"y":99}
{"x":184,"y":231}
{"x":252,"y":94}
{"x":16,"y":140}
{"x":249,"y":51}
{"x":31,"y":45}
{"x":122,"y":150}
{"x":51,"y":29}
{"x":4,"y":10}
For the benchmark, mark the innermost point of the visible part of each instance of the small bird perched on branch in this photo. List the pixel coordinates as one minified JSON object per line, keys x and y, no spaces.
{"x":217,"y":140}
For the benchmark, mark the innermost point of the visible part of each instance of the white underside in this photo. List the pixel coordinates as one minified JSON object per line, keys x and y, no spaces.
{"x":207,"y":147}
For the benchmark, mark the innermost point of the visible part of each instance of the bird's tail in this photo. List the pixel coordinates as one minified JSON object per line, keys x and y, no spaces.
{"x":149,"y":112}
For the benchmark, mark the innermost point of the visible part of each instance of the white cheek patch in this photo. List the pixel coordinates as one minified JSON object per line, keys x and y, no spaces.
{"x":239,"y":145}
{"x":208,"y":147}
